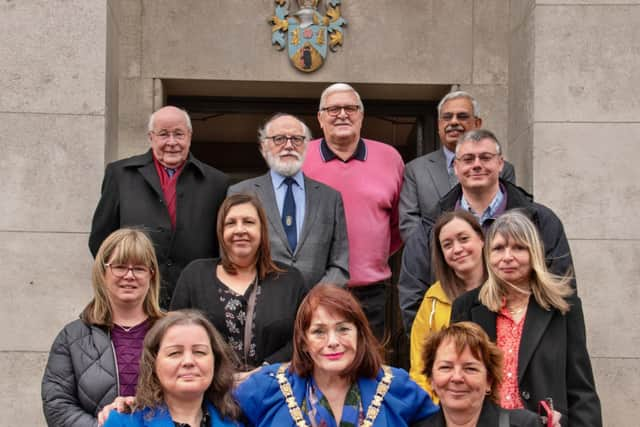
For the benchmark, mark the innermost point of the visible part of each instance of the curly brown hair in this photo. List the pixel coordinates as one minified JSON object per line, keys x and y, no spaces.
{"x":467,"y":335}
{"x":149,"y":393}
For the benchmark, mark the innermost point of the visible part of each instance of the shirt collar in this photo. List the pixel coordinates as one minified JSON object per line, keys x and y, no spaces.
{"x":278,"y":179}
{"x":328,"y":155}
{"x":449,"y":156}
{"x":495,"y":208}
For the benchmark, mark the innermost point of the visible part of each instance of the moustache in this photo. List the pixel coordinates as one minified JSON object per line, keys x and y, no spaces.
{"x":291,"y":153}
{"x":457,"y":128}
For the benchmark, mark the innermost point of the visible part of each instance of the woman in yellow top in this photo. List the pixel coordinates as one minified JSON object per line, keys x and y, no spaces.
{"x":459,"y":266}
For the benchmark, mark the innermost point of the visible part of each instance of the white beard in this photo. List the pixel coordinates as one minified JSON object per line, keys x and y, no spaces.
{"x":284,"y":168}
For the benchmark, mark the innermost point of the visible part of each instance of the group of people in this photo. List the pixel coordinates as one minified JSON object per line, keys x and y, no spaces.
{"x":277,"y":286}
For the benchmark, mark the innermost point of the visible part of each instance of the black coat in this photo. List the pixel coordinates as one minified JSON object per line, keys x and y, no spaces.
{"x":489,"y":417}
{"x":553,"y":360}
{"x":416,"y":273}
{"x":132,"y":197}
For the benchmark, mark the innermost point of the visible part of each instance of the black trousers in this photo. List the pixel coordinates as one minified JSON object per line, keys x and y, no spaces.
{"x":372,"y":298}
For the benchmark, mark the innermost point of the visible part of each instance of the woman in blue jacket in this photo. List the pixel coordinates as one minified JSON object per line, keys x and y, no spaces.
{"x":186,"y":377}
{"x":336,"y":377}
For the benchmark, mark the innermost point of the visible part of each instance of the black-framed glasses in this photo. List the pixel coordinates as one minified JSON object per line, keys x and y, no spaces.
{"x":462,"y":117}
{"x":469,"y":159}
{"x":334,"y":110}
{"x":296,"y":140}
{"x":121,"y":270}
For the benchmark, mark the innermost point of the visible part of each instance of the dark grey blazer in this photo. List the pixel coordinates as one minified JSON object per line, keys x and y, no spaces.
{"x":322,"y":252}
{"x":426,"y":181}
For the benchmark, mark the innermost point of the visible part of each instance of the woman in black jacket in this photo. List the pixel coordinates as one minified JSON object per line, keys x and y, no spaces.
{"x":95,"y":359}
{"x":537,"y":321}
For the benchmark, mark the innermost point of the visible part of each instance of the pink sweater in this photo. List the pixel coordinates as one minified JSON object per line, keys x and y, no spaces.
{"x":370,"y":191}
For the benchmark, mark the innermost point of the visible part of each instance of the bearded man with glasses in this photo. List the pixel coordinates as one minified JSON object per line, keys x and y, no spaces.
{"x":307,"y":227}
{"x":368,"y":174}
{"x":168,"y":193}
{"x":477,"y":164}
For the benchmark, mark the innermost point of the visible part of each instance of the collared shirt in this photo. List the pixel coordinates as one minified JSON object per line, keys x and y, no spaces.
{"x":495,"y":208}
{"x":359,"y":154}
{"x":298,"y":195}
{"x":449,"y":157}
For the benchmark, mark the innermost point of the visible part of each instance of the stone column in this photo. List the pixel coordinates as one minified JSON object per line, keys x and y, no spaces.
{"x":575,"y":126}
{"x":58,"y":80}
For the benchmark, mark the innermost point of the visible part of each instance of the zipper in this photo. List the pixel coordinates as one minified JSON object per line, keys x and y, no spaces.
{"x":115,"y":361}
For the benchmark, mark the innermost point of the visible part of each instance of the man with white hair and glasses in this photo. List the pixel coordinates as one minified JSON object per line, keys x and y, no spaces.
{"x":368,"y":174}
{"x":307,"y":227}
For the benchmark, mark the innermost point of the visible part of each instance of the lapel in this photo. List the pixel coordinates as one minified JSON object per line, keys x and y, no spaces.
{"x":485,"y":318}
{"x":311,"y":200}
{"x":368,"y":388}
{"x":535,"y":324}
{"x":439,"y":174}
{"x":149,"y":173}
{"x":266,"y":193}
{"x":161,"y":418}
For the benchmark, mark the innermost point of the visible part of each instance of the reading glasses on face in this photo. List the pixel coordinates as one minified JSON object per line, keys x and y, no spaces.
{"x":469,"y":159}
{"x":334,"y":110}
{"x":296,"y":140}
{"x":447,"y":117}
{"x":166,"y":135}
{"x":121,"y":270}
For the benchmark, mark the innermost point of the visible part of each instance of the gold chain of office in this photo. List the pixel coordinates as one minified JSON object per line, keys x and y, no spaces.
{"x":296,"y":412}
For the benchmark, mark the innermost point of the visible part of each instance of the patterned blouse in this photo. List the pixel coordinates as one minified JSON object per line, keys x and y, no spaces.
{"x":235,"y":313}
{"x":509,"y":335}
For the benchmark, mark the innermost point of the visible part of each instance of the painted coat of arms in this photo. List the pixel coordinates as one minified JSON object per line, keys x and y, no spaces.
{"x":306,"y":33}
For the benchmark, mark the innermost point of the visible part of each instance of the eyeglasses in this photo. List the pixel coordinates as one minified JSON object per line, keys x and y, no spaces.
{"x":334,"y":110}
{"x":447,"y":117}
{"x":165,"y":135}
{"x":121,"y":270}
{"x":296,"y":140}
{"x":469,"y":159}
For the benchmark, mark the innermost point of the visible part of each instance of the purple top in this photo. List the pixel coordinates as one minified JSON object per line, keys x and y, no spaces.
{"x":128,"y":346}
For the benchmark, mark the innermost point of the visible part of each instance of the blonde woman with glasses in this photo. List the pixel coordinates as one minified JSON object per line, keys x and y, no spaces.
{"x":95,"y":359}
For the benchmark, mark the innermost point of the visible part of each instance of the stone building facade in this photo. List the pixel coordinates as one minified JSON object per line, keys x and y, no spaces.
{"x":555,"y":80}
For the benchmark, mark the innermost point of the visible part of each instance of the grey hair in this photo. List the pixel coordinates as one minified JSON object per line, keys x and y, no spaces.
{"x":263,"y":132}
{"x":478,"y":135}
{"x":152,"y":118}
{"x":460,"y":94}
{"x":339,"y":87}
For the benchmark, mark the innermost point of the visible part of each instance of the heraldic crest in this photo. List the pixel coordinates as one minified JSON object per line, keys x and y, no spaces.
{"x":306,"y":33}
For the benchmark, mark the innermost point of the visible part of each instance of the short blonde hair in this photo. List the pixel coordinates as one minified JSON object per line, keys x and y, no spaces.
{"x":124,"y":246}
{"x":549,"y":290}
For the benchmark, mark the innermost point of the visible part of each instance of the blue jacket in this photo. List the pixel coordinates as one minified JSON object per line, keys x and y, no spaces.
{"x":263,"y":403}
{"x":160,"y":418}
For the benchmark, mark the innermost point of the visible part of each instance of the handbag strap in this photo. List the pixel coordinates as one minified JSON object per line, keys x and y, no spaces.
{"x":248,"y":320}
{"x":503,"y":418}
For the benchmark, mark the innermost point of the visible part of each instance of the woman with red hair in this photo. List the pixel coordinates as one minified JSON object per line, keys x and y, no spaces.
{"x":336,"y":376}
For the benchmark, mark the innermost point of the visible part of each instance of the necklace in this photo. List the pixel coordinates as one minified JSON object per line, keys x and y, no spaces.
{"x":129,"y":328}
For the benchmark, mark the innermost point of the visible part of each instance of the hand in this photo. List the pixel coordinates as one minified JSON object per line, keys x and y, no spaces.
{"x":120,"y":404}
{"x":556,"y":419}
{"x":239,"y":377}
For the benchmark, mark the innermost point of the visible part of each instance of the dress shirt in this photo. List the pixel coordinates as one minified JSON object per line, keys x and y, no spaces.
{"x":298,"y":195}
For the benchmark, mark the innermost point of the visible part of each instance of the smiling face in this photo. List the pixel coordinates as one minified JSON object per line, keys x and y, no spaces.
{"x":461,"y":247}
{"x":459,"y":380}
{"x":510,"y":261}
{"x":241,"y":233}
{"x":286,"y":159}
{"x":185,"y":362}
{"x":130,"y":289}
{"x":456,"y":118}
{"x":331,"y":342}
{"x":482,"y":171}
{"x":344,"y":128}
{"x":170,"y":137}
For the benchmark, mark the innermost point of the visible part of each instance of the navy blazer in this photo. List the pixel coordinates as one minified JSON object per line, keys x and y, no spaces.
{"x":553,"y":360}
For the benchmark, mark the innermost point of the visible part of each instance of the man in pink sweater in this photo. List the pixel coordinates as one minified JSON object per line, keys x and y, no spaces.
{"x":368,"y":174}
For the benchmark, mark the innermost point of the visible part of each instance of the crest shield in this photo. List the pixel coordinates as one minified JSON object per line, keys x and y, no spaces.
{"x":307,"y":47}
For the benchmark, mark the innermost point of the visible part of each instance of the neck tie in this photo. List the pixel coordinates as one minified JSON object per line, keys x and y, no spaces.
{"x":289,"y":215}
{"x":453,"y":179}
